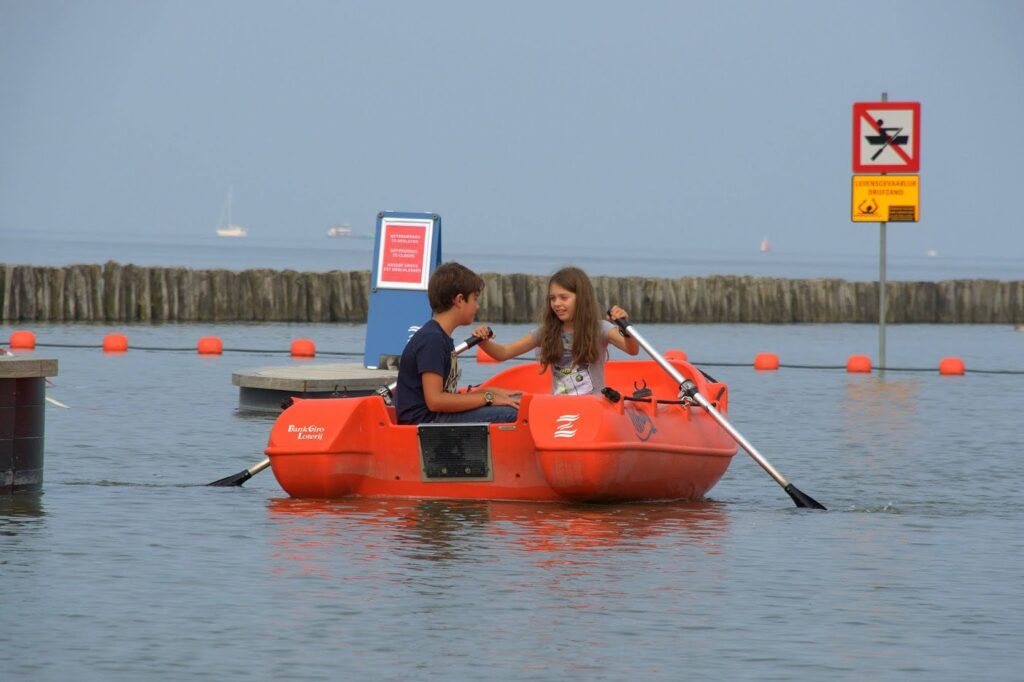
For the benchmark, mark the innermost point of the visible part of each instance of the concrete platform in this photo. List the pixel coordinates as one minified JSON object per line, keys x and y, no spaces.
{"x":264,"y":389}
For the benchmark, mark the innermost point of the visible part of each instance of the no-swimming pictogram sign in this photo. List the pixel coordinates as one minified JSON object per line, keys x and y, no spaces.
{"x":886,"y":137}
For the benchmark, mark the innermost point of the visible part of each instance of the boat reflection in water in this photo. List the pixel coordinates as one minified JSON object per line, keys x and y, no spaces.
{"x":326,"y":537}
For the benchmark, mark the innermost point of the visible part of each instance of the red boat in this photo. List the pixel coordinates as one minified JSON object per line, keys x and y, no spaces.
{"x":648,"y":445}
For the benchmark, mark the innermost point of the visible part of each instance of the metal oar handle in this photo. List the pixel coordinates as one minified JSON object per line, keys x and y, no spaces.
{"x":387,"y":392}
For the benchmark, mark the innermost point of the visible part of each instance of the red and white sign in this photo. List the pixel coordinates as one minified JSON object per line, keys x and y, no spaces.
{"x":404,"y":259}
{"x":886,"y":137}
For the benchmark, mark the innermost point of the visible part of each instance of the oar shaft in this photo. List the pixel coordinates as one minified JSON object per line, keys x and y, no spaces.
{"x":706,"y":404}
{"x":242,"y":476}
{"x":738,"y":437}
{"x":256,"y":468}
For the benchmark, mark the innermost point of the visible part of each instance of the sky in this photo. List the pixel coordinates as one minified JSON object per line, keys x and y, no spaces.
{"x":666,"y":127}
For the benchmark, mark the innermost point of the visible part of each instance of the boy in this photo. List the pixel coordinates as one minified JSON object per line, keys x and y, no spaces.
{"x":428,"y":372}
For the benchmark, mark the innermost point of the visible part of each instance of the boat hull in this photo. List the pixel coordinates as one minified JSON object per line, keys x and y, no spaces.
{"x":574,"y":448}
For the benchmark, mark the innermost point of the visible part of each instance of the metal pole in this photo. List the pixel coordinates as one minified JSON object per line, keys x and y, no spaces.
{"x":881,"y":286}
{"x":881,"y":300}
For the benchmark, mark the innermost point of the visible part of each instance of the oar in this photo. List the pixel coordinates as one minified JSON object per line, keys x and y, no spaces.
{"x":242,"y":476}
{"x":384,"y":392}
{"x":688,"y":388}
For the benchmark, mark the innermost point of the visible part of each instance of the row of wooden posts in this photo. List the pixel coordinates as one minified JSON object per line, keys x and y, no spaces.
{"x":128,"y":293}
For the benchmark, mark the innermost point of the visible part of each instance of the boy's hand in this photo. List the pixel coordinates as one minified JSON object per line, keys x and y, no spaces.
{"x":503,"y":391}
{"x":483,"y":332}
{"x":506,"y":399}
{"x":502,"y":396}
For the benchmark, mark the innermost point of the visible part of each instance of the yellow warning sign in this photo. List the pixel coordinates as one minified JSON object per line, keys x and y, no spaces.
{"x":886,"y":198}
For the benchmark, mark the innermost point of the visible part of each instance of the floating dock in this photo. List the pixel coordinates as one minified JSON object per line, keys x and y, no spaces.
{"x":265,"y":389}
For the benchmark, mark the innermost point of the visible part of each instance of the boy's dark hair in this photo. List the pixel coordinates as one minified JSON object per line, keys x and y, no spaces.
{"x":448,"y":281}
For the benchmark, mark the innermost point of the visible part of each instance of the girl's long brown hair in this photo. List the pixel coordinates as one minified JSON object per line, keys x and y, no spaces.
{"x":586,"y":322}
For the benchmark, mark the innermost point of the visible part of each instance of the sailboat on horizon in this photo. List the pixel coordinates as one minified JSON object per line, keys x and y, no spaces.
{"x":227,"y":229}
{"x":765,"y":246}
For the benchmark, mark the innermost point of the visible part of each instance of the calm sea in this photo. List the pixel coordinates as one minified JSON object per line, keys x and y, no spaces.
{"x":129,"y":568}
{"x":318,"y":253}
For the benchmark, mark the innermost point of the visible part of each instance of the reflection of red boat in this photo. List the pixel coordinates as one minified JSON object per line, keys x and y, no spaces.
{"x":355,"y":524}
{"x":582,"y":448}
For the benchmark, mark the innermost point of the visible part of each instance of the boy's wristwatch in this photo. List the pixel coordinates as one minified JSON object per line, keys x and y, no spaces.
{"x":488,"y":398}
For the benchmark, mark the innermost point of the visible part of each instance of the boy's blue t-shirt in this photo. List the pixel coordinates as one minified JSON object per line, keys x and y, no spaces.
{"x":429,"y":350}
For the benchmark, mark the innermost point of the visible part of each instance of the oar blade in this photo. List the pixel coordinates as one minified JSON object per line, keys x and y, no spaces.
{"x":802,"y":499}
{"x":235,"y":480}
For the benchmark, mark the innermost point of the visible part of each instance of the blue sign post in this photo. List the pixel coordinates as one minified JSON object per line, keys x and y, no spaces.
{"x":406,"y":251}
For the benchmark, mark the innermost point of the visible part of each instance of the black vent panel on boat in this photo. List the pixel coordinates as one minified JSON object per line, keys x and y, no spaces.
{"x":455,"y":452}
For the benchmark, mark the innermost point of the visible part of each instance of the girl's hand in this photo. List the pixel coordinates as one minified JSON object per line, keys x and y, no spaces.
{"x":617,"y":313}
{"x":482,"y":332}
{"x":623,"y":340}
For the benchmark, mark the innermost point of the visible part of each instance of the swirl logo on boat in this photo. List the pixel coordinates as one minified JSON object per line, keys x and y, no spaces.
{"x":311,"y":432}
{"x":565,"y":427}
{"x":642,"y":425}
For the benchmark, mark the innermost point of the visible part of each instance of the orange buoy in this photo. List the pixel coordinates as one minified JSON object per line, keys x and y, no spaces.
{"x":210,"y":345}
{"x":115,"y":343}
{"x":303,"y":348}
{"x":766,"y":361}
{"x":858,"y":364}
{"x":951,"y":366}
{"x":483,"y":356}
{"x":675,"y":354}
{"x":22,"y":340}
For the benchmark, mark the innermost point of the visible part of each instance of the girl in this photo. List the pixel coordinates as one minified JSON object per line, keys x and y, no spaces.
{"x":572,"y":338}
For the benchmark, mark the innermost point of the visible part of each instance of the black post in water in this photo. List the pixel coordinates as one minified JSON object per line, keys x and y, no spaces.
{"x":22,"y":422}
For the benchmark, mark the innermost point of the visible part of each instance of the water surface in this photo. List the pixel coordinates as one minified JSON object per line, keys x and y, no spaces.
{"x":128,"y":568}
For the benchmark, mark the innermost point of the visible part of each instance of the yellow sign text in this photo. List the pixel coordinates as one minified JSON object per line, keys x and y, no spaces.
{"x":886,"y":199}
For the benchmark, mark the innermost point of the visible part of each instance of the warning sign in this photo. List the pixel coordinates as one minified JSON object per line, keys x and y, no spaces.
{"x":404,"y":258}
{"x":886,"y":137}
{"x":886,"y":198}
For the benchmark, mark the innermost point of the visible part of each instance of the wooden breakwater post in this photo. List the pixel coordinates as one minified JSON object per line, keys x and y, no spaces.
{"x":128,"y":293}
{"x":22,"y":422}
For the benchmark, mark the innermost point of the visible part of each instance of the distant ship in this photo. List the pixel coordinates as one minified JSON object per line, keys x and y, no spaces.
{"x":232,"y":231}
{"x":229,"y":230}
{"x":339,"y":231}
{"x":765,"y":246}
{"x":931,"y":253}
